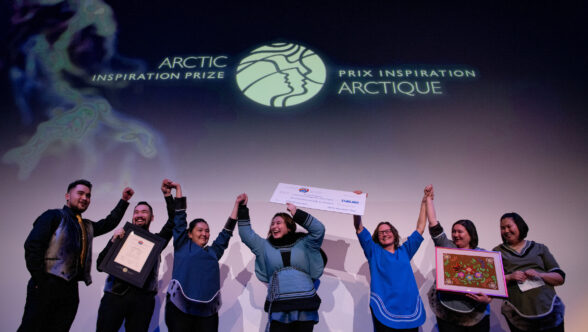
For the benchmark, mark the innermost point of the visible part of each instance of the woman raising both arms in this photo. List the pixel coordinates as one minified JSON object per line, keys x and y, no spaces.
{"x":395,"y":302}
{"x":291,"y":263}
{"x":193,"y":296}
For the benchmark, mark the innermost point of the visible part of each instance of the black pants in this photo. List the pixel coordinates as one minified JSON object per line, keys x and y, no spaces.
{"x":178,"y":321}
{"x":482,"y":326}
{"x":379,"y":327}
{"x":298,"y":326}
{"x":50,"y":306}
{"x":559,"y":328}
{"x":135,"y":308}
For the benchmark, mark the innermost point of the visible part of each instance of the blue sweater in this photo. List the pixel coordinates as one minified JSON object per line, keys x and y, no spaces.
{"x":195,"y":284}
{"x":394,"y":299}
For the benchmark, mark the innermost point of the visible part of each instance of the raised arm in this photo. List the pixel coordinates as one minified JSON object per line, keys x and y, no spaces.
{"x":422,"y":220}
{"x":167,"y":195}
{"x":113,"y":219}
{"x":221,"y":243}
{"x":428,"y":199}
{"x":180,"y":232}
{"x":241,"y":200}
{"x":316,"y":230}
{"x":222,"y":240}
{"x":247,"y":234}
{"x":435,"y":229}
{"x":178,"y":188}
{"x":357,"y":224}
{"x":253,"y":241}
{"x":166,"y":231}
{"x":357,"y":219}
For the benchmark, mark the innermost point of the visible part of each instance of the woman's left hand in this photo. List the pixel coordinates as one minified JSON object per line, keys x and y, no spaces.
{"x":291,"y":208}
{"x":480,"y":297}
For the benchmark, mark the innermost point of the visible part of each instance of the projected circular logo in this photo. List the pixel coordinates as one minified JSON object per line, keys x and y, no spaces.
{"x":281,"y":74}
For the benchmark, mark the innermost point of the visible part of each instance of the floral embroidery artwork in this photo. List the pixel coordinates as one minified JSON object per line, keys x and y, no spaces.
{"x":469,"y":271}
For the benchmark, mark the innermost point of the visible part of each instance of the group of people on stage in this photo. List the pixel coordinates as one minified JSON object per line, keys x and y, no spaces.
{"x":58,"y":254}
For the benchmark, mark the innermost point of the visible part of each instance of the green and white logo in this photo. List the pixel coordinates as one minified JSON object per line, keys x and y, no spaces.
{"x":281,"y":74}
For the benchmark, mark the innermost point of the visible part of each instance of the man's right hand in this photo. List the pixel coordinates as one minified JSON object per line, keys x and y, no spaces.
{"x":166,"y":187}
{"x":118,"y":234}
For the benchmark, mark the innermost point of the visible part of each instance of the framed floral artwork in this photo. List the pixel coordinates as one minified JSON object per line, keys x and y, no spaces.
{"x":470,"y":271}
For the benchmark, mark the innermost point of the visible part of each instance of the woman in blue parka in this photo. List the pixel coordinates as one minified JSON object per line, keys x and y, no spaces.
{"x":193,"y":296}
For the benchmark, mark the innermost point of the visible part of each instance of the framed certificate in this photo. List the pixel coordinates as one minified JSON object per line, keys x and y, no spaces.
{"x":133,"y":257}
{"x":470,"y":271}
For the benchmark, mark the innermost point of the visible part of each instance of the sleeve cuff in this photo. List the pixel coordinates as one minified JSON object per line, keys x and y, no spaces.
{"x":230,"y":224}
{"x":123,"y":204}
{"x":436,"y":230}
{"x":364,"y":235}
{"x":180,"y":203}
{"x":243,"y":212}
{"x":300,"y":217}
{"x":560,"y":272}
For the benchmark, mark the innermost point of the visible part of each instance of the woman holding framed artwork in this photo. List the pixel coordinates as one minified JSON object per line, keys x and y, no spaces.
{"x":456,"y":312}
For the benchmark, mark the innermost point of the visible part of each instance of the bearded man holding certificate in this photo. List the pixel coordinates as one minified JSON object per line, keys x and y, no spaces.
{"x":123,"y":301}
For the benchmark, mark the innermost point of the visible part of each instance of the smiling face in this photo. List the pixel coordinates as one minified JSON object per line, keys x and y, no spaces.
{"x":460,"y":236}
{"x":200,"y":233}
{"x":278,"y":227}
{"x":385,"y":235}
{"x":142,"y":216}
{"x":78,"y":198}
{"x":509,"y":231}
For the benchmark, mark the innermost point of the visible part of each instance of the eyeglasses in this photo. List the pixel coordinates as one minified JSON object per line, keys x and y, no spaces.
{"x":385,"y":232}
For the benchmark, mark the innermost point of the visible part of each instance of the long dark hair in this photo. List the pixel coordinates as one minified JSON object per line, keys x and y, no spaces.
{"x":394,"y":232}
{"x":471,"y":229}
{"x":290,"y":224}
